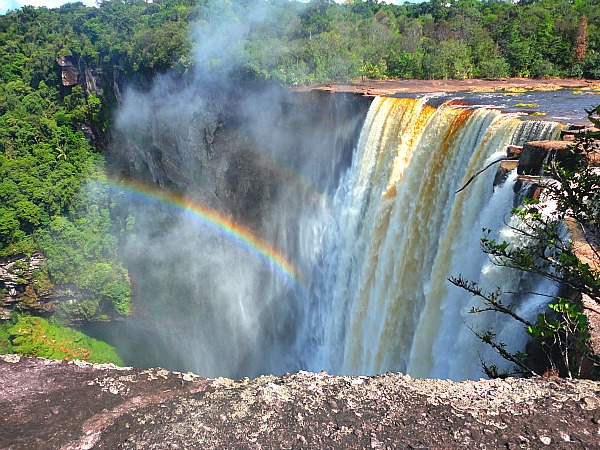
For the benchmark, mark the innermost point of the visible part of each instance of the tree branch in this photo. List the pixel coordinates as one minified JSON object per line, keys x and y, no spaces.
{"x":513,"y":158}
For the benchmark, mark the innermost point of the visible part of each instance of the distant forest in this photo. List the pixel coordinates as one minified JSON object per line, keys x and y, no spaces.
{"x":319,"y":41}
{"x":52,"y":132}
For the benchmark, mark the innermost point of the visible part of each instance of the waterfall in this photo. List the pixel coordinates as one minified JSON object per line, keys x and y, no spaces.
{"x":397,"y":231}
{"x":366,"y":225}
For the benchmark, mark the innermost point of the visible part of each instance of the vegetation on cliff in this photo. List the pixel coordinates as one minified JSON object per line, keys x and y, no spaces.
{"x":35,"y":336}
{"x":46,"y":164}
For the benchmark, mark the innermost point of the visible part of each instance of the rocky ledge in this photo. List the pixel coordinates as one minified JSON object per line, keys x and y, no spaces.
{"x":399,"y":86}
{"x":74,"y":405}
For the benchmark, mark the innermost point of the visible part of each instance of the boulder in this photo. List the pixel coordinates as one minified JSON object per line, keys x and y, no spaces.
{"x":513,"y":150}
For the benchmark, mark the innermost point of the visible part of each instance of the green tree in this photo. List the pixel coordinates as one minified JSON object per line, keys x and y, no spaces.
{"x":448,"y":59}
{"x":573,"y":185}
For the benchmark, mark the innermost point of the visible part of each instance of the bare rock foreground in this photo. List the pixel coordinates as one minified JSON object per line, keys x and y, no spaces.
{"x":73,"y":405}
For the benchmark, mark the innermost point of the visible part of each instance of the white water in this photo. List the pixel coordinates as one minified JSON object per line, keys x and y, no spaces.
{"x":398,"y":231}
{"x":373,"y":259}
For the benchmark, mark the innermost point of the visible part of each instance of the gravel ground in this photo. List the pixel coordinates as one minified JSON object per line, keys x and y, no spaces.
{"x":73,"y":405}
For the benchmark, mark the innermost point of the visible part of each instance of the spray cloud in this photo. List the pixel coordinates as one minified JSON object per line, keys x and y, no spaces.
{"x":255,"y":156}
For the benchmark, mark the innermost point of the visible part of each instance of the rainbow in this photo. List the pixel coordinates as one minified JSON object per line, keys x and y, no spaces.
{"x":213,"y":220}
{"x":293,"y":177}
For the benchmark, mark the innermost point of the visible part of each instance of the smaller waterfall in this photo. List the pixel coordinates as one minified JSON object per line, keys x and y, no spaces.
{"x":398,"y":232}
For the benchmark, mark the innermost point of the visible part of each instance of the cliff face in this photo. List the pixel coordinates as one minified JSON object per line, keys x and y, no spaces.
{"x":72,"y":405}
{"x":218,"y":151}
{"x":16,"y":285}
{"x":532,"y":157}
{"x":224,"y":149}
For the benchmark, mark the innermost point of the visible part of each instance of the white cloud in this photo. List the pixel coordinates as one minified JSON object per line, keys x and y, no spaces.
{"x":5,"y":5}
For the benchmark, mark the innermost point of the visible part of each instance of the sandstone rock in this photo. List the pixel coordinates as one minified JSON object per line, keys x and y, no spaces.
{"x":55,"y":404}
{"x":24,"y":287}
{"x":504,"y":168}
{"x":513,"y":150}
{"x":70,"y":76}
{"x":586,"y":247}
{"x":536,"y":153}
{"x":392,"y":86}
{"x":70,"y":73}
{"x":15,"y":277}
{"x":570,"y":133}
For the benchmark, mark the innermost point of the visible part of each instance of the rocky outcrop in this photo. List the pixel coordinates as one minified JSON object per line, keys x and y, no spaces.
{"x":74,"y":405}
{"x":69,"y":72}
{"x":536,"y":153}
{"x":25,"y":287}
{"x":586,"y":247}
{"x":530,"y":160}
{"x":18,"y":288}
{"x":393,"y":87}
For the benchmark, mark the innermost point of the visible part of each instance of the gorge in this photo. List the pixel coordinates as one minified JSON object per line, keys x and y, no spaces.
{"x":261,"y":206}
{"x":276,"y":232}
{"x":396,"y":148}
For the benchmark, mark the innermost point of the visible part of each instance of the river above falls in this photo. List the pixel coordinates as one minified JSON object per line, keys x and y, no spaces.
{"x":567,"y":106}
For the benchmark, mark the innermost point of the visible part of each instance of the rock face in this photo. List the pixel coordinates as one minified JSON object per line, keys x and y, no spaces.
{"x":586,"y":247}
{"x":72,"y":405}
{"x":225,"y":153}
{"x":535,"y":153}
{"x":69,"y":73}
{"x":25,"y":286}
{"x":17,"y":288}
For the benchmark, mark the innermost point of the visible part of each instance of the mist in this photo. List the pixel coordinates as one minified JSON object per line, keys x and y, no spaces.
{"x":253,"y":155}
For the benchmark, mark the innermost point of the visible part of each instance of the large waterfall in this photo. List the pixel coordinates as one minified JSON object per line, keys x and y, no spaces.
{"x":398,"y":231}
{"x":369,"y":227}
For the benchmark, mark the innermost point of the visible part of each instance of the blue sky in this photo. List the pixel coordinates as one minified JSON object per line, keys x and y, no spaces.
{"x":5,"y":5}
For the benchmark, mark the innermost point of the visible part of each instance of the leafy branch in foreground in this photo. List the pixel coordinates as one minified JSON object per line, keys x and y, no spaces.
{"x":557,"y":239}
{"x":562,"y":333}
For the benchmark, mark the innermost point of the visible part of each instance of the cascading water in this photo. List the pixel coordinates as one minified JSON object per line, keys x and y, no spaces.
{"x":374,"y":235}
{"x":398,"y":231}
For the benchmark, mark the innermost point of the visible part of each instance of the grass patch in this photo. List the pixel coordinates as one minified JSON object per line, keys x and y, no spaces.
{"x":38,"y":337}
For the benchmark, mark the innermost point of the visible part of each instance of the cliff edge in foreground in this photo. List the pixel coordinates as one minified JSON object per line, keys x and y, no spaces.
{"x":72,"y":405}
